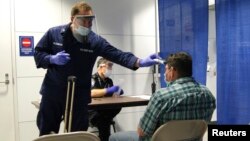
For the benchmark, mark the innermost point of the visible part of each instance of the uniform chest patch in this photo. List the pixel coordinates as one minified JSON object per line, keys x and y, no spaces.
{"x":57,"y":44}
{"x":86,"y":50}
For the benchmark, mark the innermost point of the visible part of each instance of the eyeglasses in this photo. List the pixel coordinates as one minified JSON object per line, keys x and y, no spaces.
{"x":85,"y":17}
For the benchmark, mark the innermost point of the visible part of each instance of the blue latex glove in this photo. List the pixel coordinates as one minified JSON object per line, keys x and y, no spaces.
{"x":61,"y":58}
{"x":112,"y":90}
{"x":149,"y":61}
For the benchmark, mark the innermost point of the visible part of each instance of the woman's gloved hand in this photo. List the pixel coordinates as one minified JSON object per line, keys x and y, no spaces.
{"x":114,"y":89}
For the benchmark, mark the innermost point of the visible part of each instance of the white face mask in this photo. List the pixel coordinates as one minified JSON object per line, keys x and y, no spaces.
{"x":166,"y":81}
{"x":107,"y":73}
{"x":84,"y":31}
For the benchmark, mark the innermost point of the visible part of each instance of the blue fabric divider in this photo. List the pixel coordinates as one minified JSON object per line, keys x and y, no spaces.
{"x":233,"y":57}
{"x":183,"y":26}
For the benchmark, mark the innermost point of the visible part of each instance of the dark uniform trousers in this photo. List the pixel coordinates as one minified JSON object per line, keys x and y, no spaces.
{"x":51,"y":112}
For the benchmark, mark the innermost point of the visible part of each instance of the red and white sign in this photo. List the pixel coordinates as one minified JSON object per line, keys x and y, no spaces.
{"x":26,"y":44}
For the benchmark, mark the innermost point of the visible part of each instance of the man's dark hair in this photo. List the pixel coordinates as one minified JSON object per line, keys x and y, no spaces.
{"x":182,"y":62}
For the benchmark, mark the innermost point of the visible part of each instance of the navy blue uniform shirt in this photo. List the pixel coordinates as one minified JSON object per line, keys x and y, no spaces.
{"x":83,"y":57}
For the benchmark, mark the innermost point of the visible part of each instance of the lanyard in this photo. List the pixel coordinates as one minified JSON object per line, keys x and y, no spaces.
{"x":102,"y":83}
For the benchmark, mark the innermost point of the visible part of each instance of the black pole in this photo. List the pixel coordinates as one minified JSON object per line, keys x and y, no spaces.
{"x":153,"y":85}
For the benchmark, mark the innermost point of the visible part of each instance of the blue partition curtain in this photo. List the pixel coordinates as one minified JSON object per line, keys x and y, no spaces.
{"x":233,"y":61}
{"x":183,"y":26}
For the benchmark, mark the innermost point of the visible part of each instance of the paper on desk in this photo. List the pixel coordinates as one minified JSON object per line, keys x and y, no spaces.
{"x":147,"y":97}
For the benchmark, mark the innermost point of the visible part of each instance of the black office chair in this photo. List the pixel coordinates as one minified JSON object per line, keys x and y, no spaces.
{"x":113,"y":125}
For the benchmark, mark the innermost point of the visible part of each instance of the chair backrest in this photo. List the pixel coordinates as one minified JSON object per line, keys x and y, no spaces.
{"x":180,"y":130}
{"x":71,"y":136}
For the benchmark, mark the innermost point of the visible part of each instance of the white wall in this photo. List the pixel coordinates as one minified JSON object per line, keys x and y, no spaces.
{"x":32,"y":21}
{"x":7,"y":97}
{"x":211,"y":73}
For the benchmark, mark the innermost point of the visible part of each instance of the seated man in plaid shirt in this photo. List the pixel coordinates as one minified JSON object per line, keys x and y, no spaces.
{"x":182,"y":99}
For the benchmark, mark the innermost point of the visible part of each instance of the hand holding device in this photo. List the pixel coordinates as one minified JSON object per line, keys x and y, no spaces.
{"x":159,"y":61}
{"x":149,"y":61}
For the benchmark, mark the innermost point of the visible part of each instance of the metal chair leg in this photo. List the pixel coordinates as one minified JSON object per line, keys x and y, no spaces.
{"x":113,"y":125}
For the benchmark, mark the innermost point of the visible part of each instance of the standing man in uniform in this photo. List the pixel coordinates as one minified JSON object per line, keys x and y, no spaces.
{"x":102,"y":86}
{"x":71,"y":50}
